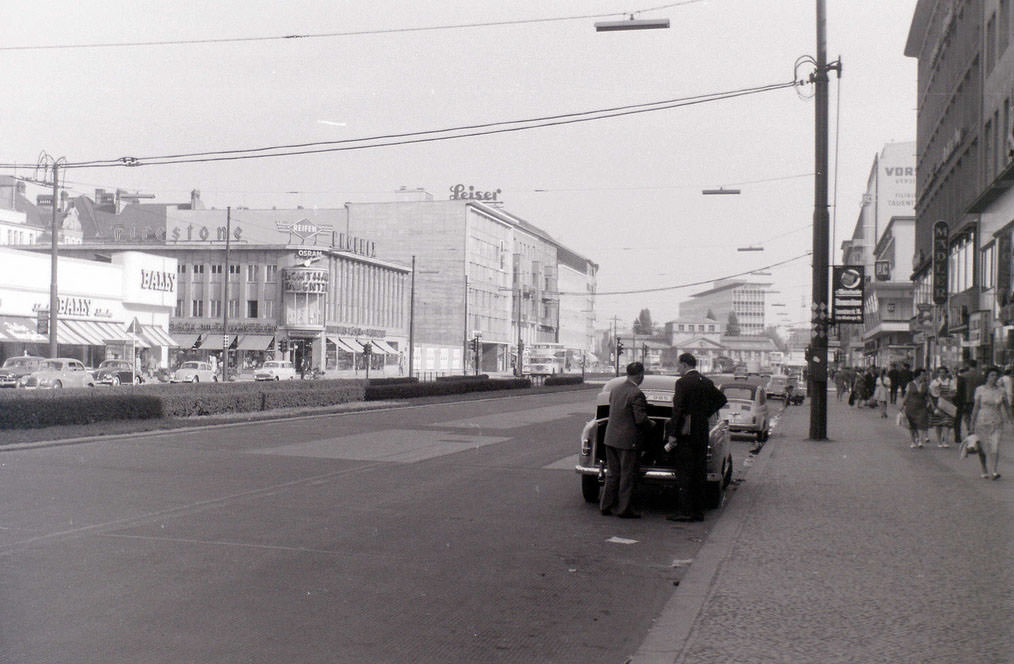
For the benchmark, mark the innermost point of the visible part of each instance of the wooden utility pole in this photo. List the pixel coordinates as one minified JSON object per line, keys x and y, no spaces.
{"x":225,"y":298}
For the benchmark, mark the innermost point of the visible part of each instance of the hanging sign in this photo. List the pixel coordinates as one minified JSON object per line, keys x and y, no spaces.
{"x":847,"y":293}
{"x":941,"y":233}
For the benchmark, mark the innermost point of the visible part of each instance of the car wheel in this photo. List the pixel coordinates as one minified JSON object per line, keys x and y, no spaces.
{"x":138,"y":380}
{"x":276,"y":378}
{"x":214,"y":379}
{"x":57,"y":385}
{"x":195,"y":379}
{"x":713,"y":493}
{"x":590,"y":488}
{"x":115,"y":381}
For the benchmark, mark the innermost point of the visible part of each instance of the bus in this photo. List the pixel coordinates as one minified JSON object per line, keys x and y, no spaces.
{"x":543,"y":359}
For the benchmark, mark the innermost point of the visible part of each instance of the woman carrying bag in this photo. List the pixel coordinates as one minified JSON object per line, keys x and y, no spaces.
{"x":916,"y":407}
{"x":989,"y":417}
{"x":943,"y":390}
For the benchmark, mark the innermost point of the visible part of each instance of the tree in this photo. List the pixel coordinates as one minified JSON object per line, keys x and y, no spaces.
{"x":771,"y":332}
{"x":642,"y":324}
{"x":711,"y":315}
{"x":732,"y":327}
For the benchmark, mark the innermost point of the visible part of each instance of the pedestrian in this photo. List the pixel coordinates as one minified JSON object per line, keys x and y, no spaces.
{"x":628,"y":417}
{"x":915,"y":405}
{"x":990,"y":415}
{"x":894,"y":373}
{"x":694,"y":401}
{"x":870,"y":387}
{"x":942,"y":391}
{"x":968,"y":379}
{"x":906,"y":376}
{"x":881,"y":393}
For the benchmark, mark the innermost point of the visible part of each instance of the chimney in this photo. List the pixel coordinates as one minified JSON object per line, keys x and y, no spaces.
{"x":195,"y":200}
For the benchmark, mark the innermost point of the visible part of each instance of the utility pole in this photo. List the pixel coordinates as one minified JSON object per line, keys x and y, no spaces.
{"x":225,"y":298}
{"x":411,"y":321}
{"x":54,"y":301}
{"x":464,"y":338}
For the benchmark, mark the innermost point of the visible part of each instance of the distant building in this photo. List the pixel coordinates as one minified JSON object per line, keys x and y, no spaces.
{"x":742,"y":296}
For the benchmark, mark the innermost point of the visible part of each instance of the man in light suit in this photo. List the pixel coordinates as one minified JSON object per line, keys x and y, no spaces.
{"x":694,"y":401}
{"x":628,"y":415}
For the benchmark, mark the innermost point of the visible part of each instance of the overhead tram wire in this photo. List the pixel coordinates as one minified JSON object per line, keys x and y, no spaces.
{"x":427,"y":137}
{"x":661,"y":289}
{"x":332,"y":35}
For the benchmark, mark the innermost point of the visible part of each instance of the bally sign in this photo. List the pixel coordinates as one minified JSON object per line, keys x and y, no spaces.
{"x":847,"y":293}
{"x":155,"y":280}
{"x":941,"y":233}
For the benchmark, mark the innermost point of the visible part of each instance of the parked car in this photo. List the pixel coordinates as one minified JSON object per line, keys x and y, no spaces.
{"x":16,"y":367}
{"x":193,"y":371}
{"x":116,"y":372}
{"x":779,"y":387}
{"x":657,"y":466}
{"x":58,"y":372}
{"x":746,"y":409}
{"x":798,"y":393}
{"x":275,"y":370}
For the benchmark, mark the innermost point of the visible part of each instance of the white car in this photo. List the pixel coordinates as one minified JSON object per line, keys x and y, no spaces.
{"x":194,"y":372}
{"x":275,"y":370}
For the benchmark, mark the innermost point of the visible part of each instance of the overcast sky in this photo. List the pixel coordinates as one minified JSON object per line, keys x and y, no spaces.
{"x":625,"y":191}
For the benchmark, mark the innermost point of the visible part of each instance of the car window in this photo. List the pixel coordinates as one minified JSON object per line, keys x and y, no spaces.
{"x":191,"y":365}
{"x":75,"y":366}
{"x":732,"y":392}
{"x":52,"y":364}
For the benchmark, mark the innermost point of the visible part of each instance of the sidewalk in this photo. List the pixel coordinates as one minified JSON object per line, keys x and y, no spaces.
{"x":855,"y":549}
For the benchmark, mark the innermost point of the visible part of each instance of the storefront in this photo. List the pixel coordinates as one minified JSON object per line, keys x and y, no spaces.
{"x":107,"y":310}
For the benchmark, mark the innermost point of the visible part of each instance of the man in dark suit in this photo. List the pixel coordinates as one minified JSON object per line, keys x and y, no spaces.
{"x":694,"y":401}
{"x":628,"y":415}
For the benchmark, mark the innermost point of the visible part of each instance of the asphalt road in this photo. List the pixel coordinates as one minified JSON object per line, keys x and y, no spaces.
{"x":448,"y":532}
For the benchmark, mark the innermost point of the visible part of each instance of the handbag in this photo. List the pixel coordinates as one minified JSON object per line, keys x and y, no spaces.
{"x":947,"y":407}
{"x":901,"y":420}
{"x":969,"y":445}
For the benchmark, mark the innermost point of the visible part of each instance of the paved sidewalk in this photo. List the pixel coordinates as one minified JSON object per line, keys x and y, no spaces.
{"x":856,"y":549}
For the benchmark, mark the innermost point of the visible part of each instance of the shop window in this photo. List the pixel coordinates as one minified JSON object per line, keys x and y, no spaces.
{"x":251,"y":308}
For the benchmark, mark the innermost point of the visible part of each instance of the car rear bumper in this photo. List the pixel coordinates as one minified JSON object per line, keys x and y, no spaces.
{"x":660,"y":475}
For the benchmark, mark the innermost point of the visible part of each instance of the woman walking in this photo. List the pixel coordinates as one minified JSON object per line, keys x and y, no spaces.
{"x":943,"y":390}
{"x":916,"y":409}
{"x":882,"y":392}
{"x":989,"y":415}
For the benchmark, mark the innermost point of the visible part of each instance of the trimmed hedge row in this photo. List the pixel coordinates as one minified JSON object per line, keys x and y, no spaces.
{"x":22,"y":409}
{"x":381,"y":392}
{"x":396,"y":380}
{"x":564,"y":379}
{"x":459,"y":377}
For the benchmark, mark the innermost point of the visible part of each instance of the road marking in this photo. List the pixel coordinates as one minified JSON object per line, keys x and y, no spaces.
{"x":519,"y":418}
{"x":621,"y":540}
{"x":389,"y":445}
{"x":187,"y":540}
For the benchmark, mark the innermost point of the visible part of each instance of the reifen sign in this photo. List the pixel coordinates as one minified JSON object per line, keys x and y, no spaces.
{"x":941,"y":234}
{"x":848,"y":293}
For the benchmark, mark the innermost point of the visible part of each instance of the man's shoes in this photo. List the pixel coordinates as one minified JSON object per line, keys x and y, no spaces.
{"x":685,"y":517}
{"x":629,"y":515}
{"x":606,"y":512}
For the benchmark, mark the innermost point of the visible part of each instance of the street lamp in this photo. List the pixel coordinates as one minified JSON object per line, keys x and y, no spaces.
{"x":721,"y":191}
{"x":476,"y":337}
{"x":633,"y":24}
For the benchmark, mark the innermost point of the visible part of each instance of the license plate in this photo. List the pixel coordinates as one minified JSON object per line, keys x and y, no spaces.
{"x":657,"y":396}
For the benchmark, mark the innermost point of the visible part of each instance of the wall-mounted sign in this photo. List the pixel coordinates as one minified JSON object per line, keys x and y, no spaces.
{"x":215,"y":327}
{"x":979,"y":327}
{"x":461,"y":193}
{"x":847,"y":288}
{"x":303,"y":280}
{"x":307,"y":257}
{"x":941,"y":234}
{"x":157,"y":280}
{"x":79,"y":307}
{"x":192,"y":233}
{"x":305,"y":230}
{"x":356,"y":245}
{"x":882,"y":270}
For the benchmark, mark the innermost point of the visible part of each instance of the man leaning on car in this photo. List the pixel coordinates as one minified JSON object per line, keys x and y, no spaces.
{"x":628,"y":415}
{"x":694,"y":401}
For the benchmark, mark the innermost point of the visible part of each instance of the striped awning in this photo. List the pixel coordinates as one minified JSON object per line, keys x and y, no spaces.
{"x":352,"y":344}
{"x":72,"y":333}
{"x":185,"y":340}
{"x":376,"y":346}
{"x":156,"y":336}
{"x":384,"y":346}
{"x":20,"y":328}
{"x":216,"y":342}
{"x":254,"y":342}
{"x":341,"y":343}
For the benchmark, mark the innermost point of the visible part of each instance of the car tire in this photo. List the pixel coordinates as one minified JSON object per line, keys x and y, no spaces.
{"x":115,"y":381}
{"x":590,"y":488}
{"x":195,"y":379}
{"x":138,"y":380}
{"x":57,"y":385}
{"x":277,"y":379}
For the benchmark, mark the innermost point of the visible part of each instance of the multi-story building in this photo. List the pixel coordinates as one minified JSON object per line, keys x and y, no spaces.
{"x":743,"y":297}
{"x":965,"y":91}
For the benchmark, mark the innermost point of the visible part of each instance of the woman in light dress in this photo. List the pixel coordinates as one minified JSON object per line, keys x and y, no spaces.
{"x":882,"y":391}
{"x":990,"y":415}
{"x":943,"y":386}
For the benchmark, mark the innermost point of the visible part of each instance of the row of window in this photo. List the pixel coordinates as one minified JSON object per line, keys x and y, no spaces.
{"x":20,"y":237}
{"x":254,"y":309}
{"x":252,"y":271}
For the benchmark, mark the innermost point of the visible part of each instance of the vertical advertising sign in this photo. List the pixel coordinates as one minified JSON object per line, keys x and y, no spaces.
{"x":847,"y":293}
{"x":941,"y":233}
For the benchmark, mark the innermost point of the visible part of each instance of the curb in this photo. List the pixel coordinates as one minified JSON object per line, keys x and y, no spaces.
{"x":675,"y":625}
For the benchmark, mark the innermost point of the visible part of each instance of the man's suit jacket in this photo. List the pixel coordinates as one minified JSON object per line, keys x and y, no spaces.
{"x":695,"y":397}
{"x":628,"y":414}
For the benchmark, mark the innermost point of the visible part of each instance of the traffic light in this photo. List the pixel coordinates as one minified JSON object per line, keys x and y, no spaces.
{"x":619,"y":348}
{"x":475,"y":344}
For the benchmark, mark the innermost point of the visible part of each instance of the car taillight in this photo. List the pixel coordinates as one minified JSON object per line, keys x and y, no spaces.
{"x":586,"y":438}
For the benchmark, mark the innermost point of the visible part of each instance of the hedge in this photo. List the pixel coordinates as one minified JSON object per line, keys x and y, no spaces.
{"x":459,"y":377}
{"x":395,"y":380}
{"x":564,"y":379}
{"x":380,"y":392}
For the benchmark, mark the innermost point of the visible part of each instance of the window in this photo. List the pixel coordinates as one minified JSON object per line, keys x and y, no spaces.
{"x":233,"y":308}
{"x":215,"y":308}
{"x":991,"y":43}
{"x":270,"y":273}
{"x":989,"y":266}
{"x":961,"y":265}
{"x":233,"y":269}
{"x":198,"y":269}
{"x":268,"y":309}
{"x":216,"y":269}
{"x":197,"y":308}
{"x":251,"y":308}
{"x":251,"y":273}
{"x":181,"y":268}
{"x":179,"y":309}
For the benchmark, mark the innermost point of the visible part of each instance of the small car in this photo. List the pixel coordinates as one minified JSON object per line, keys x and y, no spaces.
{"x":746,"y":410}
{"x":778,"y":387}
{"x":116,"y":372}
{"x":798,"y":393}
{"x":275,"y":370}
{"x":657,"y":466}
{"x":57,"y":373}
{"x":16,"y":367}
{"x":193,"y":371}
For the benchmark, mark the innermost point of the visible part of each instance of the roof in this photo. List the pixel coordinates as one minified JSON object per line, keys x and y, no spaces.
{"x":749,"y":343}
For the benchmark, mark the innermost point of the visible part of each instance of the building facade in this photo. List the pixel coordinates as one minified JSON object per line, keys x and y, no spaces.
{"x":742,"y":297}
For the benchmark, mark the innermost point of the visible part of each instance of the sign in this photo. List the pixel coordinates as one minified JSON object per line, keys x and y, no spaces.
{"x":192,"y":233}
{"x":305,"y":230}
{"x":215,"y":327}
{"x":941,"y":233}
{"x":79,"y":307}
{"x":458,"y":193}
{"x":307,"y":257}
{"x":847,"y":293}
{"x":882,"y":270}
{"x":157,"y":280}
{"x":356,"y":245}
{"x":979,"y":328}
{"x":303,"y":280}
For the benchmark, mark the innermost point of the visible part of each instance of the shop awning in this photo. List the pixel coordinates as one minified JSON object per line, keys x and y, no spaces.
{"x":72,"y":333}
{"x":20,"y":329}
{"x":156,"y":336}
{"x":353,"y":344}
{"x":185,"y":341}
{"x":341,"y":343}
{"x":384,"y":346}
{"x":376,"y":346}
{"x":215,"y":341}
{"x":254,"y":342}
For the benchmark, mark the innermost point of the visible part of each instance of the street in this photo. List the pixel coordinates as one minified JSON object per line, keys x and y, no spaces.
{"x":449,"y":532}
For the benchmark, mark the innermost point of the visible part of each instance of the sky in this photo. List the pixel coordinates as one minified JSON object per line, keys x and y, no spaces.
{"x":624,"y":192}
